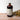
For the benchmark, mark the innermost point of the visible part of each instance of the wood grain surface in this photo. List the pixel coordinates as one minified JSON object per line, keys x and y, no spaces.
{"x":3,"y":16}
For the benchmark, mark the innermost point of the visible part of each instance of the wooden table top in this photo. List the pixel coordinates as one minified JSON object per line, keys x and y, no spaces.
{"x":3,"y":16}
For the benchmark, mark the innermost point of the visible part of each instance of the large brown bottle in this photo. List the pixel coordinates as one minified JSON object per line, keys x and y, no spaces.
{"x":9,"y":10}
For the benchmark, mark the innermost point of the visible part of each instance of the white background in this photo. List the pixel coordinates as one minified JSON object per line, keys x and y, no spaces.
{"x":4,"y":3}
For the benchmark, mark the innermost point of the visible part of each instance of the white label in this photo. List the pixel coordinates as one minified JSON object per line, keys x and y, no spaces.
{"x":9,"y":11}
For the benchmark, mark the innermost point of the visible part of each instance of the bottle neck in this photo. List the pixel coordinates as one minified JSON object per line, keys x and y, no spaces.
{"x":9,"y":5}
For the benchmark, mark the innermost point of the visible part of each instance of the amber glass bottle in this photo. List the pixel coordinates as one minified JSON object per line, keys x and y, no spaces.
{"x":9,"y":9}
